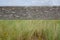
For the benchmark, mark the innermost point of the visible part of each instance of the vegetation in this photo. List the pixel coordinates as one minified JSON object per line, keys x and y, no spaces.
{"x":29,"y":29}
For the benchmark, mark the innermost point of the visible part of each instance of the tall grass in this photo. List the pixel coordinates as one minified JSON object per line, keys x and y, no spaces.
{"x":29,"y":29}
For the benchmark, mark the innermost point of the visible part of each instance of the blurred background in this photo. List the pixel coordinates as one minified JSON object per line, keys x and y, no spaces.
{"x":29,"y":2}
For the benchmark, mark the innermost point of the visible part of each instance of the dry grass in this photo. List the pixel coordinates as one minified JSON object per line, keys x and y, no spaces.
{"x":29,"y":30}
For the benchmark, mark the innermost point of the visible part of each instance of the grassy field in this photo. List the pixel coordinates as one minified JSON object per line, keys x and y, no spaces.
{"x":29,"y":29}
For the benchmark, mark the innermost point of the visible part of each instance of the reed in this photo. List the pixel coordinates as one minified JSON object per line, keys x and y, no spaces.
{"x":29,"y":29}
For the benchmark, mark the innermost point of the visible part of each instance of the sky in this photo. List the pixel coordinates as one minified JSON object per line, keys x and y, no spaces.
{"x":29,"y":2}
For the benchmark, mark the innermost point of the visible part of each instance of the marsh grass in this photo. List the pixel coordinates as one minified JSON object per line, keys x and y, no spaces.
{"x":29,"y":30}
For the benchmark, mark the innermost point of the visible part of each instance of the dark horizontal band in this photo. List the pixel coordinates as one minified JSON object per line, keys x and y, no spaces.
{"x":30,"y":13}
